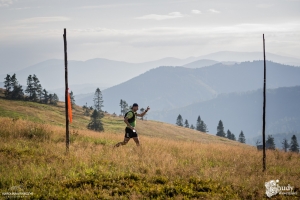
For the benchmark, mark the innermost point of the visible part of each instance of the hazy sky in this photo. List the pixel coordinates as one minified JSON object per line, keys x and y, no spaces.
{"x":144,"y":30}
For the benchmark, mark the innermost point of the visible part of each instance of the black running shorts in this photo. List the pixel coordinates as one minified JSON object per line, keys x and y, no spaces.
{"x":129,"y":133}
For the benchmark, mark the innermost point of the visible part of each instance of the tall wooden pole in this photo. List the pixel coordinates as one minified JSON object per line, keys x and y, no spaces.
{"x":264,"y":109}
{"x":66,"y":92}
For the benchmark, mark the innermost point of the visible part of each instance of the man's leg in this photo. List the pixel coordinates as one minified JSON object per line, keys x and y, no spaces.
{"x":137,"y":141}
{"x":123,"y":143}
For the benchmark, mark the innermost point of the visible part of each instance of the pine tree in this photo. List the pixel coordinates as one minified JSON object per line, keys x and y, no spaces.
{"x":97,"y":115}
{"x":7,"y":86}
{"x":186,"y":124}
{"x":29,"y":89}
{"x":13,"y":80}
{"x":294,"y":146}
{"x":95,"y":122}
{"x":229,"y":135}
{"x":86,"y":110}
{"x":55,"y":99}
{"x":233,"y":137}
{"x":242,"y":138}
{"x":192,"y":126}
{"x":17,"y":91}
{"x":285,"y":145}
{"x":203,"y":127}
{"x":98,"y":101}
{"x":45,"y":96}
{"x":50,"y":98}
{"x":36,"y":87}
{"x":179,"y":120}
{"x":39,"y":91}
{"x":220,"y":129}
{"x":72,"y":98}
{"x":121,"y":105}
{"x":198,"y":124}
{"x":270,"y":142}
{"x":125,"y":107}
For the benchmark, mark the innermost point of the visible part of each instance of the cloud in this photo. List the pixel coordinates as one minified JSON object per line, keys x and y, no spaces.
{"x":22,"y":8}
{"x":196,"y":12}
{"x":169,"y":32}
{"x":44,"y":19}
{"x":264,"y":5}
{"x":171,"y":15}
{"x":155,"y":33}
{"x":5,"y":3}
{"x":108,"y":5}
{"x":214,"y":11}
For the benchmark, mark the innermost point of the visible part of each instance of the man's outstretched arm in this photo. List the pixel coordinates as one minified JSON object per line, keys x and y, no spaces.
{"x":143,"y":113}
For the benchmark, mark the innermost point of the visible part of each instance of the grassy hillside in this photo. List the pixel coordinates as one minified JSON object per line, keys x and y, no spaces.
{"x":55,"y":115}
{"x":172,"y":163}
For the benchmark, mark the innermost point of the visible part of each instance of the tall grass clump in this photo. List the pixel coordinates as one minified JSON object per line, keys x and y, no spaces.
{"x":20,"y":129}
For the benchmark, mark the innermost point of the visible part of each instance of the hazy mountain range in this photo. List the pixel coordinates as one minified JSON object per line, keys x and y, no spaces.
{"x":250,"y":56}
{"x":85,"y":76}
{"x":166,"y":88}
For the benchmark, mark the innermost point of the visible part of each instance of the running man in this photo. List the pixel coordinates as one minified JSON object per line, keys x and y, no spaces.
{"x":130,"y":121}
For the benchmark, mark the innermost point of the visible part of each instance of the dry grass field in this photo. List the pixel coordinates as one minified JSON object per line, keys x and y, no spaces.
{"x":172,"y":163}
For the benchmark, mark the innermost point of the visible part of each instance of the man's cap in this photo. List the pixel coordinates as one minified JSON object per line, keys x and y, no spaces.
{"x":135,"y":105}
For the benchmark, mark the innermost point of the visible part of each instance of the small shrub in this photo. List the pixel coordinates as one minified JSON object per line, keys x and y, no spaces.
{"x":160,"y":180}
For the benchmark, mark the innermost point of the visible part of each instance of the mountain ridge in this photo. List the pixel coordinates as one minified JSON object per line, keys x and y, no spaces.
{"x":55,"y":67}
{"x":170,"y":87}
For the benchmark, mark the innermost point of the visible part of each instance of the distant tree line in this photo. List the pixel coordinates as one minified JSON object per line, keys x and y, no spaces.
{"x":229,"y":134}
{"x":200,"y":125}
{"x":293,"y":146}
{"x":33,"y":92}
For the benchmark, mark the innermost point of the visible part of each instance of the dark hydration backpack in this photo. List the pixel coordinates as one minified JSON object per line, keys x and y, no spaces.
{"x":132,"y":118}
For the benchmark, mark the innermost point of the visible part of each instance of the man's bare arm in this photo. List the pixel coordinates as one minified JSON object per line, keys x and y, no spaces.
{"x":143,"y":113}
